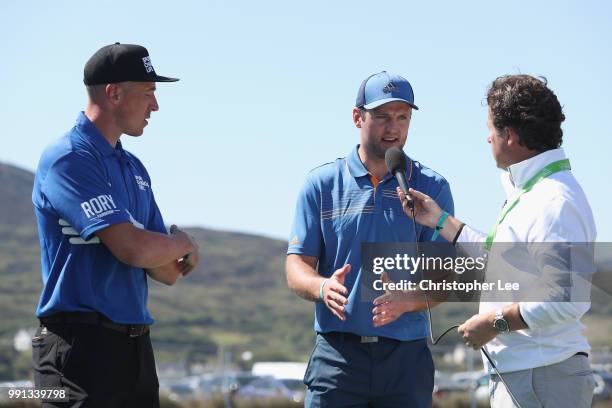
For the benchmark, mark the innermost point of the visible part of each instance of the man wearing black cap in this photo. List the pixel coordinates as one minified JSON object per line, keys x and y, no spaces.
{"x":101,"y":235}
{"x":366,"y":355}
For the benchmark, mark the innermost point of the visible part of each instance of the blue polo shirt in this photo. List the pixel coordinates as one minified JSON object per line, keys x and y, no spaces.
{"x":337,"y":210}
{"x":83,"y":185}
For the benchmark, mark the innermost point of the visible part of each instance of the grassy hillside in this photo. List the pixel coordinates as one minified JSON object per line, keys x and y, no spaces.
{"x":236,"y":300}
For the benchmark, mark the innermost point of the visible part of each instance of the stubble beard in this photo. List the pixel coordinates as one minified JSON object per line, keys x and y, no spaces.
{"x":377,"y":151}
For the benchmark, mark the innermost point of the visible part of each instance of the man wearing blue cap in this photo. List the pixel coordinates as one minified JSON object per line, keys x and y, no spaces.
{"x":365,"y":355}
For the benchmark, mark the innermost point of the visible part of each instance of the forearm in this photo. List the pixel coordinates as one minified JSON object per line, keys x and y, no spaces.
{"x":450,"y":228}
{"x":142,"y":248}
{"x":302,"y":278}
{"x":158,"y":250}
{"x":512,"y":314}
{"x":167,"y":274}
{"x":481,"y":328}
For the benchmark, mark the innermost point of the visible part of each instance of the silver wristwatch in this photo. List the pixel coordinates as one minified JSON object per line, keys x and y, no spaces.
{"x":500,"y":324}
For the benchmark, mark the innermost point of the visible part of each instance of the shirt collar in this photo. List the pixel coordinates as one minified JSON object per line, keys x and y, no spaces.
{"x":355,"y":166}
{"x":358,"y":169}
{"x":90,"y":132}
{"x":520,"y":173}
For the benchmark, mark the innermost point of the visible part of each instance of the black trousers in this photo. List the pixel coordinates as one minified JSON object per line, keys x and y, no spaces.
{"x":98,"y":366}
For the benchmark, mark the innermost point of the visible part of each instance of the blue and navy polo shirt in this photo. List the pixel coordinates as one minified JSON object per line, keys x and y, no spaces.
{"x":338,"y":209}
{"x":83,"y":185}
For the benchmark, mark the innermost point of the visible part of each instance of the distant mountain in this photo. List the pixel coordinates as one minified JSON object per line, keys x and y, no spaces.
{"x":236,"y":300}
{"x":15,"y":196}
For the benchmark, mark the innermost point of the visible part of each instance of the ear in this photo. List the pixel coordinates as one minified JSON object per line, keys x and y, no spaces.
{"x":357,"y":119}
{"x":114,"y":93}
{"x":513,"y":137}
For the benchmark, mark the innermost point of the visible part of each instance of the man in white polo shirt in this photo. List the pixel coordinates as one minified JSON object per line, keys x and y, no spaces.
{"x":538,"y":346}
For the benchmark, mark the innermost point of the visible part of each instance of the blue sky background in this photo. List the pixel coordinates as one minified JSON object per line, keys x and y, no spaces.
{"x":267,"y":88}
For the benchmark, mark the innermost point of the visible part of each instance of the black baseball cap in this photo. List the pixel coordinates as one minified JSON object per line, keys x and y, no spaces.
{"x":121,"y":62}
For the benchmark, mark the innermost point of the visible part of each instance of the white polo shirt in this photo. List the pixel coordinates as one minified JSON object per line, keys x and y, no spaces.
{"x":554,"y":210}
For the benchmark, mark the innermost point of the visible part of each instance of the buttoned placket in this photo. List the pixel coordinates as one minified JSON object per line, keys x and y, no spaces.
{"x":378,"y":197}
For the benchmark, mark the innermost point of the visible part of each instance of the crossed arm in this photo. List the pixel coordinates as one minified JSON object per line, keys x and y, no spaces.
{"x":162,"y":256}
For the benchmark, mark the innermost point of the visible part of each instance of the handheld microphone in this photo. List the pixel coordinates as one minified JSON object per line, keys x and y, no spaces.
{"x":396,"y":164}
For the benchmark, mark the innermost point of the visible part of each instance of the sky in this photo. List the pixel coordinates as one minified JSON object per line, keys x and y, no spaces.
{"x":267,"y":89}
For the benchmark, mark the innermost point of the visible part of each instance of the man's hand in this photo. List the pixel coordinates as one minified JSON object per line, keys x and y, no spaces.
{"x":187,"y":263}
{"x":478,"y":330}
{"x":427,"y":211}
{"x":392,"y":304}
{"x":334,"y":292}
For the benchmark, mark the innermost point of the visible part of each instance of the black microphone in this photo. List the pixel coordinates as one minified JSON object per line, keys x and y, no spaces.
{"x":396,"y":164}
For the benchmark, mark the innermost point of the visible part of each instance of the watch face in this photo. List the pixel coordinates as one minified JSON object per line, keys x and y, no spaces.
{"x":501,"y":325}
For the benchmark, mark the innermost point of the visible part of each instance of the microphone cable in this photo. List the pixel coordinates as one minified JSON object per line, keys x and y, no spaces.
{"x":435,"y":341}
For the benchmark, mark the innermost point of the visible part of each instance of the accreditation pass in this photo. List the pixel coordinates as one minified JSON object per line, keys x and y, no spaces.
{"x":47,"y":394}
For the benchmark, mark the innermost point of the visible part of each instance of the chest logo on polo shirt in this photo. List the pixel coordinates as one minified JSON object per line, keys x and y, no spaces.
{"x":99,"y":206}
{"x":142,"y":183}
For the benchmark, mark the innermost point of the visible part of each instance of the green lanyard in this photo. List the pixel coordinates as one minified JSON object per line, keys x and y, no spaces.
{"x":552,"y":168}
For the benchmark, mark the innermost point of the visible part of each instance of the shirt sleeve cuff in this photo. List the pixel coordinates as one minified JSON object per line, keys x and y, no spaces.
{"x":471,"y":241}
{"x":117,"y":218}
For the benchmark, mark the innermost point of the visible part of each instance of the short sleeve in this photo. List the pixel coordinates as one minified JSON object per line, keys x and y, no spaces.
{"x":156,"y":221}
{"x":306,"y":235}
{"x":77,"y":188}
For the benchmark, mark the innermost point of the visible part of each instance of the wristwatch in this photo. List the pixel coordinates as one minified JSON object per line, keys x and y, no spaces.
{"x":500,"y":324}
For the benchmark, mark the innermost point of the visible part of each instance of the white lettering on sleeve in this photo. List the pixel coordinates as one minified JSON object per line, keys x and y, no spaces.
{"x":99,"y":206}
{"x":110,"y":199}
{"x":95,"y":205}
{"x":104,"y":203}
{"x":87,"y":209}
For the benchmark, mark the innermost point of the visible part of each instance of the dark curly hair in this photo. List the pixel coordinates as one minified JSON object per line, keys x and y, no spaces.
{"x":527,"y":105}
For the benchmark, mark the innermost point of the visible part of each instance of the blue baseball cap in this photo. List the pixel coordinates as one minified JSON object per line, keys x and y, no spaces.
{"x":384,"y":87}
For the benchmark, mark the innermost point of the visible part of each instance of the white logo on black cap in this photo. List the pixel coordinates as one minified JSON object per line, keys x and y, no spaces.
{"x":147,"y":64}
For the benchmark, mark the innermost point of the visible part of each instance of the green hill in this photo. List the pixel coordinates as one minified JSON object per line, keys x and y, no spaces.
{"x":236,"y":300}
